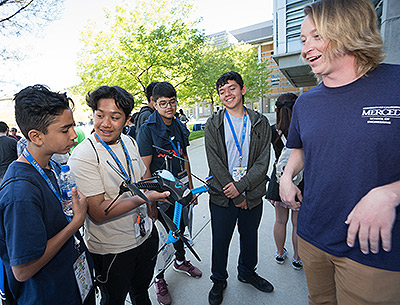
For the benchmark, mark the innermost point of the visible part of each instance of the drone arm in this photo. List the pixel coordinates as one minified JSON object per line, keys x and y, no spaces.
{"x":199,"y":190}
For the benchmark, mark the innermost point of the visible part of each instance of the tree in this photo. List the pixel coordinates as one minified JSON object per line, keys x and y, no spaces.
{"x":215,"y":61}
{"x":151,"y":41}
{"x":18,"y":16}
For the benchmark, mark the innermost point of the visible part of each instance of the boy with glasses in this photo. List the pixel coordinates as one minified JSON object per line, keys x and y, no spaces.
{"x":163,"y":130}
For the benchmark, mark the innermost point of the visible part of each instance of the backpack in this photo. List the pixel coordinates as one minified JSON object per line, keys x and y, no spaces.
{"x":282,"y":161}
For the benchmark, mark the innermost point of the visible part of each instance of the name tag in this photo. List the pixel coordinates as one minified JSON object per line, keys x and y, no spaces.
{"x":184,"y":177}
{"x":82,"y":276}
{"x":238,"y":173}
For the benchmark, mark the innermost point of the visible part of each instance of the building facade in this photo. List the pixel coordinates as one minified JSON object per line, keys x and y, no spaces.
{"x":288,"y":16}
{"x":261,"y":36}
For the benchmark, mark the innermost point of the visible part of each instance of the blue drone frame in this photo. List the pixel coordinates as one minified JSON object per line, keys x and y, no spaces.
{"x":180,"y":196}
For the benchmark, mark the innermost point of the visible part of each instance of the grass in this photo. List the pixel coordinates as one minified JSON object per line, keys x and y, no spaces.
{"x":196,"y":134}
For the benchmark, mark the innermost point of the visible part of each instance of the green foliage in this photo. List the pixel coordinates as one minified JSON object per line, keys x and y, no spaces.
{"x":196,"y":135}
{"x":215,"y":61}
{"x":151,"y":41}
{"x":157,"y":41}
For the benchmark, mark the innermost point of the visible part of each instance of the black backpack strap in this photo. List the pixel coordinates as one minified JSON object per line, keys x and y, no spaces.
{"x":94,"y":148}
{"x":133,"y":141}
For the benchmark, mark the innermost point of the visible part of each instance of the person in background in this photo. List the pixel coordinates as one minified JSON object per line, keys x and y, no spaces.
{"x":122,"y":240}
{"x":130,"y":129}
{"x":81,"y":136}
{"x":13,"y":134}
{"x":147,"y":110}
{"x":237,"y":142}
{"x":163,"y":130}
{"x":183,"y":117}
{"x":8,"y":149}
{"x":345,"y":132}
{"x":44,"y":256}
{"x":283,"y":108}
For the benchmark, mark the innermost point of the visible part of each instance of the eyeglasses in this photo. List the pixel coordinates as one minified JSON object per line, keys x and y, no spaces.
{"x":164,"y":104}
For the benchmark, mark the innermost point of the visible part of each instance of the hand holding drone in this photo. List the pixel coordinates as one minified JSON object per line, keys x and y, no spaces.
{"x":180,"y":196}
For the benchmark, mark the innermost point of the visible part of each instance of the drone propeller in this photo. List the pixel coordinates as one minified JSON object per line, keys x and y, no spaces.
{"x":169,"y":153}
{"x":208,"y":184}
{"x":175,"y":231}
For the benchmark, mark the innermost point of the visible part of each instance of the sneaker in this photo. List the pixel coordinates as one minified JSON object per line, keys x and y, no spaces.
{"x":280,"y":259}
{"x":258,"y":282}
{"x":163,"y":296}
{"x":215,"y":295}
{"x":188,"y":268}
{"x":297,"y":264}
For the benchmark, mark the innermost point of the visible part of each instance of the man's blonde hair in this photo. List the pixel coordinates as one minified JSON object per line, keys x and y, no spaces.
{"x":349,"y":27}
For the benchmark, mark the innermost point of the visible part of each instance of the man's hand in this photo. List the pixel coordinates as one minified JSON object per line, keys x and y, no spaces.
{"x":230,"y":190}
{"x":242,"y":205}
{"x":372,"y":220}
{"x":288,"y":192}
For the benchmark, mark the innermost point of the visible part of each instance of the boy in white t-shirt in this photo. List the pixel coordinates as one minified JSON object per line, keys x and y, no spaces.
{"x":122,"y":241}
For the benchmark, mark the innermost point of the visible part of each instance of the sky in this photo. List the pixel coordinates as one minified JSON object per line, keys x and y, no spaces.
{"x":52,"y":56}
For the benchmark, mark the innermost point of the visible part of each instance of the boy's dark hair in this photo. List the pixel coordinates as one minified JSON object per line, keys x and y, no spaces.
{"x":149,"y":90}
{"x":229,"y":76}
{"x":232,"y":75}
{"x":123,"y":99}
{"x":3,"y":127}
{"x":163,"y":89}
{"x":36,"y":107}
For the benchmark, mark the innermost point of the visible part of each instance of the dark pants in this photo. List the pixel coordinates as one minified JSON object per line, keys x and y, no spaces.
{"x":178,"y":245}
{"x":127,"y":272}
{"x":223,"y":222}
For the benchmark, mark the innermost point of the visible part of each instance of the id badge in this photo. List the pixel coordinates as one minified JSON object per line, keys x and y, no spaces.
{"x":184,"y":177}
{"x":82,"y":276}
{"x":238,"y":173}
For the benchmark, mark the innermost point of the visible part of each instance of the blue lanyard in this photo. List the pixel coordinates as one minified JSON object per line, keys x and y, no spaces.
{"x":238,"y":146}
{"x":176,"y":150}
{"x":36,"y":165}
{"x":114,"y":156}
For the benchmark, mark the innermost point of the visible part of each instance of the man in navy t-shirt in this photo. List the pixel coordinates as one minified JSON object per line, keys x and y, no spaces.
{"x":345,"y":132}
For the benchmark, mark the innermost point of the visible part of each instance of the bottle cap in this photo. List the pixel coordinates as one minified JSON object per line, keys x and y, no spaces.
{"x":65,"y":168}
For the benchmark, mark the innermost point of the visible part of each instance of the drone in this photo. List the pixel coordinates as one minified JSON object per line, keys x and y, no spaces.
{"x":180,"y":196}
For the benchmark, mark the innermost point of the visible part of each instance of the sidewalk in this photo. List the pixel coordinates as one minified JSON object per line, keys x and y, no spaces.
{"x":290,"y":285}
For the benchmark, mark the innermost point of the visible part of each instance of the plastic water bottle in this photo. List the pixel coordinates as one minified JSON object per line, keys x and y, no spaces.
{"x":67,"y":182}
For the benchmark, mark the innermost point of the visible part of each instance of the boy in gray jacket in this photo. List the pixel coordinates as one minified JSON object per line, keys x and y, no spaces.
{"x":237,"y":142}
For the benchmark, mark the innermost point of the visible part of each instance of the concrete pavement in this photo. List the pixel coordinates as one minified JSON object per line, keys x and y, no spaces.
{"x":290,"y":285}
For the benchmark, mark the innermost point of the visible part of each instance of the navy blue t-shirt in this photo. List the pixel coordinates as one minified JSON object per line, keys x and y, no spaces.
{"x":30,"y":215}
{"x":351,"y":140}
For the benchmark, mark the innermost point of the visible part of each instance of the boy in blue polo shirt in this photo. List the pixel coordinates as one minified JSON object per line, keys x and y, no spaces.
{"x":45,"y":259}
